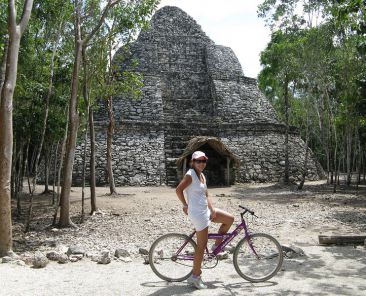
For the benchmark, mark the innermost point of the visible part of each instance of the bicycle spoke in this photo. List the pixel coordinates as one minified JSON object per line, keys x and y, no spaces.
{"x":258,"y":258}
{"x":177,"y":266}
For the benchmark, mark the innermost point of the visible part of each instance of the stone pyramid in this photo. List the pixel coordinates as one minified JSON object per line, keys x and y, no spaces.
{"x":193,"y":90}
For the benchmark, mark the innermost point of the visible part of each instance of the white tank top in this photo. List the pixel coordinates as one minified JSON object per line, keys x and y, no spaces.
{"x":196,"y":194}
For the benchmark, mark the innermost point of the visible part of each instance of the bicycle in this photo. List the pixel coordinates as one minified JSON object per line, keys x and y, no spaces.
{"x":257,"y":257}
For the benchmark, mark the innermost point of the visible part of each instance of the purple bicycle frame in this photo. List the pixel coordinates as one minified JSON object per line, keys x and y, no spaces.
{"x":227,"y":238}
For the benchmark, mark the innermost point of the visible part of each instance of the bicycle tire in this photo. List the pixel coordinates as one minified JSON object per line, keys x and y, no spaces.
{"x":251,"y":266}
{"x":169,"y":268}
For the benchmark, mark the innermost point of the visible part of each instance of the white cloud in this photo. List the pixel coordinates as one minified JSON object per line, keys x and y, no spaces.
{"x":232,"y":23}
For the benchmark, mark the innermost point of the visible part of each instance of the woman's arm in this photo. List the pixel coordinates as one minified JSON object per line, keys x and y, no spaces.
{"x":212,"y":209}
{"x":186,"y":181}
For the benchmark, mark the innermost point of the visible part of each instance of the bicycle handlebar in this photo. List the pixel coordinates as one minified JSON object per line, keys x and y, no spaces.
{"x":248,"y":210}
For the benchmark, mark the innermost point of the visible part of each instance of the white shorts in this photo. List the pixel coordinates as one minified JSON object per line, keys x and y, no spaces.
{"x":199,"y":219}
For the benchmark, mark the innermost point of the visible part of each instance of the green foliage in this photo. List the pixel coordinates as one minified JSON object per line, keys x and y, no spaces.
{"x":281,"y":68}
{"x":47,"y":29}
{"x":3,"y":25}
{"x":323,"y":65}
{"x":119,"y":29}
{"x":52,"y":27}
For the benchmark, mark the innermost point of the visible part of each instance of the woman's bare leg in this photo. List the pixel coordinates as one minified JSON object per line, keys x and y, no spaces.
{"x":226,"y":219}
{"x":202,"y":237}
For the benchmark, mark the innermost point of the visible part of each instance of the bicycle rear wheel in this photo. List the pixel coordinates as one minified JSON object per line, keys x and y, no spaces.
{"x":258,"y":257}
{"x":171,"y":257}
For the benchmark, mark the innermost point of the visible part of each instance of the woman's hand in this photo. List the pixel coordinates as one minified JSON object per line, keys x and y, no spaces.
{"x":187,"y":180}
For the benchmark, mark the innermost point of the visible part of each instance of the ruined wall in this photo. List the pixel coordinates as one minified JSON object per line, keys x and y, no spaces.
{"x":138,"y":157}
{"x":263,"y":157}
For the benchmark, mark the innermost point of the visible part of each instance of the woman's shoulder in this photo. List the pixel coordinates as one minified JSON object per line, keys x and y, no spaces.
{"x":189,"y":172}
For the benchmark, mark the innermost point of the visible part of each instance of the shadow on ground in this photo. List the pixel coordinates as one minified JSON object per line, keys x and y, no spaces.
{"x":318,"y":273}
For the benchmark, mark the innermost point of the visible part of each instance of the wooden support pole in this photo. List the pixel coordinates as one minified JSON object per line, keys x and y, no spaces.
{"x":227,"y":171}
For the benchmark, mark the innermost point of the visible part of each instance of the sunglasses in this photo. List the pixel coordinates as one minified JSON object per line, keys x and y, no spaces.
{"x":200,"y":160}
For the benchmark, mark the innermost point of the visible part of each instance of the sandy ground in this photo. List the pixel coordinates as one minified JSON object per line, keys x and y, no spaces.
{"x":141,"y":214}
{"x":325,"y":271}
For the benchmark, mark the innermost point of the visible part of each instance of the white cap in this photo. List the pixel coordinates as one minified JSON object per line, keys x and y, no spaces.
{"x":198,"y":155}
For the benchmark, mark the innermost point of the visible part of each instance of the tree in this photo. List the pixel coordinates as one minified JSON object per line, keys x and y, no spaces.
{"x":328,"y":76}
{"x":280,"y":73}
{"x":105,"y":81}
{"x":83,"y":35}
{"x":15,"y":31}
{"x":52,"y":33}
{"x":89,"y":107}
{"x":80,"y":42}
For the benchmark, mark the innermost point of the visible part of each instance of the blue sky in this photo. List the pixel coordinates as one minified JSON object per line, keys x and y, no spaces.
{"x":232,"y":23}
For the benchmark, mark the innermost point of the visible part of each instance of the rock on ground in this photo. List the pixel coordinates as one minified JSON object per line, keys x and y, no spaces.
{"x":39,"y":260}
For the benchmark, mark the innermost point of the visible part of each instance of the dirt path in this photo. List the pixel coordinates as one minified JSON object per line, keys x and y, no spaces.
{"x":136,"y":218}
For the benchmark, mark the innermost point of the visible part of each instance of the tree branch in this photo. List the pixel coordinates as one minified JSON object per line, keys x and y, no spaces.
{"x":27,"y":9}
{"x":109,"y":5}
{"x":3,"y":66}
{"x":12,"y":14}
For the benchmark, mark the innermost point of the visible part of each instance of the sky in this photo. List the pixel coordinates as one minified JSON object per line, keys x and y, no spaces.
{"x":232,"y":23}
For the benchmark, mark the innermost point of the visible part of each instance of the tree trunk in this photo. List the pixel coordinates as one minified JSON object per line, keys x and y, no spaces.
{"x":83,"y":176}
{"x":46,"y":170}
{"x":335,"y":163}
{"x":65,"y":220}
{"x":30,"y":212}
{"x":26,"y":166}
{"x":331,"y":161}
{"x":359,"y":155}
{"x":46,"y":111}
{"x":19,"y":181}
{"x":348,"y":153}
{"x":93,"y":199}
{"x":324,"y":136}
{"x":286,"y":180}
{"x":13,"y":170}
{"x":73,"y":114}
{"x":111,"y":125}
{"x":54,"y":173}
{"x":73,"y":125}
{"x":60,"y":166}
{"x":342,"y":239}
{"x":33,"y":159}
{"x":92,"y":136}
{"x":364,"y":166}
{"x":6,"y":149}
{"x":301,"y":185}
{"x":6,"y":120}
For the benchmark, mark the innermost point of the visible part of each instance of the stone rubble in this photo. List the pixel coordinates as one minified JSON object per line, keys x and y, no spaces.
{"x":39,"y":260}
{"x":105,"y":258}
{"x":75,"y":249}
{"x":121,"y":253}
{"x":63,"y":259}
{"x":128,"y":236}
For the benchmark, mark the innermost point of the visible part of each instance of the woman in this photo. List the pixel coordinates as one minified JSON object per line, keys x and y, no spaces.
{"x":200,"y":210}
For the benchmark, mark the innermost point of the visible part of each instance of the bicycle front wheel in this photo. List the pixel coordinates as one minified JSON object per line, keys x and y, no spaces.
{"x":258,"y":257}
{"x":171,"y":257}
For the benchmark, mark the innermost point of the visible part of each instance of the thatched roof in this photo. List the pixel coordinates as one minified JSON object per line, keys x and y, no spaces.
{"x":195,"y":143}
